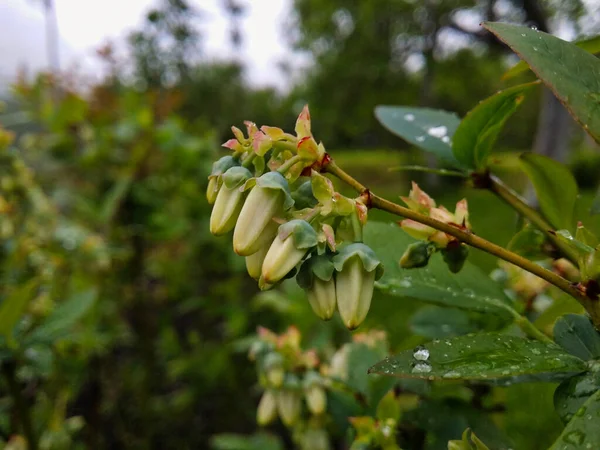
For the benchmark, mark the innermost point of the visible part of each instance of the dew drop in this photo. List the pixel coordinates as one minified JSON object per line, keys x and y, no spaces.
{"x":535,"y":351}
{"x":409,"y":117}
{"x":451,"y":374}
{"x":421,"y":367}
{"x":420,"y":138}
{"x":574,"y":437}
{"x":446,"y":139}
{"x":421,"y":353}
{"x":438,"y":132}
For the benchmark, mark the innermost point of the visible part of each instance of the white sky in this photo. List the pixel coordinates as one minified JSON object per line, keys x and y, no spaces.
{"x":86,"y":24}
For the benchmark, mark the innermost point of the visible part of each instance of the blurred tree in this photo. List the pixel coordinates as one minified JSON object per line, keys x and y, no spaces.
{"x":403,"y":47}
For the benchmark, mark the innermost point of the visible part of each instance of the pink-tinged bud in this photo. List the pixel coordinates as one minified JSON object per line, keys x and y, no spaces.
{"x":461,"y":213}
{"x":316,"y":399}
{"x":294,"y":239}
{"x":357,"y":269}
{"x":269,"y":198}
{"x":418,"y":200}
{"x":441,"y":214}
{"x":229,"y":201}
{"x":267,"y":408}
{"x":289,"y":404}
{"x":416,"y":229}
{"x":303,"y":123}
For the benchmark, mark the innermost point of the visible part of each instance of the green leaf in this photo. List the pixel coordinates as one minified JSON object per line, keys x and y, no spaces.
{"x":528,"y":243}
{"x":591,"y":45}
{"x":13,"y":307}
{"x":436,"y":322}
{"x":570,"y":72}
{"x":577,"y":335}
{"x":477,"y":133}
{"x":59,"y":323}
{"x":258,"y":441}
{"x":471,"y":289}
{"x":582,"y":432}
{"x":555,"y":187}
{"x":492,"y":357}
{"x":573,"y":393}
{"x":428,"y":129}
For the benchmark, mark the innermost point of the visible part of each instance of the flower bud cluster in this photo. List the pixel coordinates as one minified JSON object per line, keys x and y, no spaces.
{"x":295,"y":391}
{"x":431,"y":240}
{"x":286,"y":216}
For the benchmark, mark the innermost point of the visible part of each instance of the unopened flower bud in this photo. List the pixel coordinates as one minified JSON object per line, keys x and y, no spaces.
{"x":358,"y":268}
{"x":270,"y":197}
{"x":316,"y":399}
{"x":316,"y":278}
{"x":315,"y":439}
{"x":214,"y":180}
{"x":229,"y":201}
{"x":212,"y":190}
{"x":291,"y":244}
{"x":289,"y":405}
{"x":267,"y":408}
{"x":455,"y":255}
{"x":417,"y":255}
{"x":255,"y":261}
{"x":274,"y":369}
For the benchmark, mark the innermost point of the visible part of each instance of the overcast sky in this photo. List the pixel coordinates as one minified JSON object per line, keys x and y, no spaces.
{"x":86,"y":24}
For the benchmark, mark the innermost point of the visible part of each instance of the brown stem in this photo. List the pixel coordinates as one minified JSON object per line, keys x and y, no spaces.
{"x":590,"y":304}
{"x":496,"y":186}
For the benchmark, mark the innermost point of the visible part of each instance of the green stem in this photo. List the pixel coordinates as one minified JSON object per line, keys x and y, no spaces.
{"x":249,"y":159}
{"x":529,"y":329}
{"x":591,"y":305}
{"x":443,"y":172}
{"x":496,"y":186}
{"x":285,"y":145}
{"x":22,"y":409}
{"x":289,"y":163}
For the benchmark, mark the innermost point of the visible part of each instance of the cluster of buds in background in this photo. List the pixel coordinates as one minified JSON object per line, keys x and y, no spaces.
{"x":287,"y":218}
{"x":296,"y":384}
{"x":294,"y":388}
{"x":431,"y":240}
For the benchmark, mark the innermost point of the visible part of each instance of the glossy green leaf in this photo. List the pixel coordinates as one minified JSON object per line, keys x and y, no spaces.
{"x":470,"y":289}
{"x":555,"y":187}
{"x":492,"y":357}
{"x":437,"y":322}
{"x":577,"y":335}
{"x":428,"y":129}
{"x":591,"y":45}
{"x":574,"y":392}
{"x":59,"y":323}
{"x":13,"y":307}
{"x":528,"y":243}
{"x":478,"y":131}
{"x":582,"y":432}
{"x":570,"y":72}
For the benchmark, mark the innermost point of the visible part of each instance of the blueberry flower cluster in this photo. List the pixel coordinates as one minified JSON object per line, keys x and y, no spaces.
{"x":287,"y":219}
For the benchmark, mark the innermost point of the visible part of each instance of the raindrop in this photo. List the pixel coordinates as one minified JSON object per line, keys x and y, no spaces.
{"x":446,"y":139}
{"x":405,"y":283}
{"x":534,"y":28}
{"x":535,"y":351}
{"x":523,"y":34}
{"x":421,"y":367}
{"x":535,"y":49}
{"x":574,"y":437}
{"x":451,"y":374}
{"x":438,"y":132}
{"x":409,"y":117}
{"x":421,"y":353}
{"x":420,"y":138}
